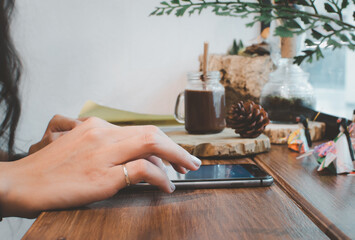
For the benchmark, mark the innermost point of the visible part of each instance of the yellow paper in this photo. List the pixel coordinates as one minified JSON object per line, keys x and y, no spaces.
{"x":121,"y":117}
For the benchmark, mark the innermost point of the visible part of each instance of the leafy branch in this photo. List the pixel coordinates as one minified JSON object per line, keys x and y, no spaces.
{"x":330,"y":31}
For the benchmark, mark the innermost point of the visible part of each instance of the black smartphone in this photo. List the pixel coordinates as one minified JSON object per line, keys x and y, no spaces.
{"x":218,"y":176}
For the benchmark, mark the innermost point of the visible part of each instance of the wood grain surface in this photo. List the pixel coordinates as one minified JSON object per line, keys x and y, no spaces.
{"x":225,"y":143}
{"x":278,"y":132}
{"x":243,"y":213}
{"x":328,"y":199}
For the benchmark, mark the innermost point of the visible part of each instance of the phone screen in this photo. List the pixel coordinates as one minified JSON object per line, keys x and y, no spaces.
{"x":216,"y":176}
{"x":219,"y":172}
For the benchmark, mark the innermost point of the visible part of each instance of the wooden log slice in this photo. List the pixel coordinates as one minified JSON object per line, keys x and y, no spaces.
{"x":278,"y":132}
{"x":224,"y":144}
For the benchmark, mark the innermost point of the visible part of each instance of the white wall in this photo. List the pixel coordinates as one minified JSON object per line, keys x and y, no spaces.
{"x":111,"y":52}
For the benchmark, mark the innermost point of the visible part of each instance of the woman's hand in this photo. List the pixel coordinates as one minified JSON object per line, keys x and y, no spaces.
{"x":86,"y":165}
{"x":58,"y":126}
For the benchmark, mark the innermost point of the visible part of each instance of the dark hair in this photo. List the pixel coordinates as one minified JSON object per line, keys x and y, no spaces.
{"x":10,"y":73}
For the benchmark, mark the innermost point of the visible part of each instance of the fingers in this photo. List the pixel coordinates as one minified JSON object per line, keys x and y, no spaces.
{"x":158,"y":162}
{"x":148,"y":144}
{"x":179,"y":168}
{"x":120,"y":133}
{"x":117,"y":133}
{"x":142,"y":170}
{"x":94,"y":122}
{"x":83,"y":119}
{"x":60,"y":123}
{"x":47,"y":139}
{"x":135,"y":142}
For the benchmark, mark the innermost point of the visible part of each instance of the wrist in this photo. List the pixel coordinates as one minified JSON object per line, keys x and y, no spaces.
{"x":16,"y":190}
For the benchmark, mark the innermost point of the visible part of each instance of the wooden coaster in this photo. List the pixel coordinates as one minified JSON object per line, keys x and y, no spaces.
{"x":224,"y":144}
{"x":278,"y":132}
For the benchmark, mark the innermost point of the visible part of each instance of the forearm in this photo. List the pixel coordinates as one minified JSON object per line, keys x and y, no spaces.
{"x":4,"y":167}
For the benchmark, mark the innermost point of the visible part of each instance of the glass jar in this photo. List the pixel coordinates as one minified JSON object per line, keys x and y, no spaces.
{"x":288,"y":93}
{"x":204,"y":104}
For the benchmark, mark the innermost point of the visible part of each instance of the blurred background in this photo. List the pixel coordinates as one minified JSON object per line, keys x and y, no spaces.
{"x":113,"y":53}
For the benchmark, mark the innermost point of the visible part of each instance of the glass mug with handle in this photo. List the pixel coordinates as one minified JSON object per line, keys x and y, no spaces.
{"x":204,"y":102}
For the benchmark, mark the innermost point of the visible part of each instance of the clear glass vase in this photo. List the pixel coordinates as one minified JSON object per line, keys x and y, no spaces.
{"x":288,"y":93}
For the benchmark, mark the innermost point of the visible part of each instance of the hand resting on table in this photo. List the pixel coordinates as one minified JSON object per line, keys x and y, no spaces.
{"x":86,"y":165}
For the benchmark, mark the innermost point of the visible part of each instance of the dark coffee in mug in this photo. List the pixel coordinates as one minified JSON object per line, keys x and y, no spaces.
{"x":204,"y":111}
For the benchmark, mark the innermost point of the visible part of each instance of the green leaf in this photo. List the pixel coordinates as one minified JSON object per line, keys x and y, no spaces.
{"x":327,"y":27}
{"x":154,"y":12}
{"x":303,"y":3}
{"x":292,"y":24}
{"x":160,"y":13}
{"x":308,"y":52}
{"x":317,"y":35}
{"x":352,"y":36}
{"x":319,"y":53}
{"x":180,"y":12}
{"x":309,"y":42}
{"x":251,"y":24}
{"x":351,"y":47}
{"x":343,"y":37}
{"x":310,"y":59}
{"x":265,"y":17}
{"x":299,"y":59}
{"x":219,"y":12}
{"x":241,"y":45}
{"x":283,"y":32}
{"x":169,"y":11}
{"x":175,"y":2}
{"x":235,"y":48}
{"x":335,"y":44}
{"x":344,"y":4}
{"x":305,"y":19}
{"x":329,"y":8}
{"x":165,"y":3}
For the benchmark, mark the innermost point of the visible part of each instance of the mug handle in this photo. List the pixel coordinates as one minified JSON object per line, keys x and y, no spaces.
{"x":179,"y":117}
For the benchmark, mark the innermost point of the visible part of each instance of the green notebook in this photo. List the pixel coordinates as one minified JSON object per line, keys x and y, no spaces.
{"x":121,"y":117}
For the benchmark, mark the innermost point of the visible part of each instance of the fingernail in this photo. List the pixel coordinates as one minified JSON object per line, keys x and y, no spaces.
{"x":172,"y":186}
{"x":196,"y":161}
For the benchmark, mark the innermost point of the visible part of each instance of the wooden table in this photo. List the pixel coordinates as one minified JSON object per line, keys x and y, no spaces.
{"x":328,"y":199}
{"x":301,"y":205}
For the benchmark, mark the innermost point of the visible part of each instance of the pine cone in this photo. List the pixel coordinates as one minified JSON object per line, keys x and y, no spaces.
{"x":248,"y":119}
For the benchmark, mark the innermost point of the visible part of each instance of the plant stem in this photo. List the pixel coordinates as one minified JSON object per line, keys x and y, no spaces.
{"x":314,"y":7}
{"x":260,"y":6}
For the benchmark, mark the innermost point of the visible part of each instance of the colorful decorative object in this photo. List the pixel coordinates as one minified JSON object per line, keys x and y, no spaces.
{"x":247,"y":119}
{"x":300,"y":140}
{"x":352,"y":128}
{"x":336,"y":155}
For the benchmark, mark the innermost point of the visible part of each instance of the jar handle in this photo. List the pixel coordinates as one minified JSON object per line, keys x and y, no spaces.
{"x":180,"y":118}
